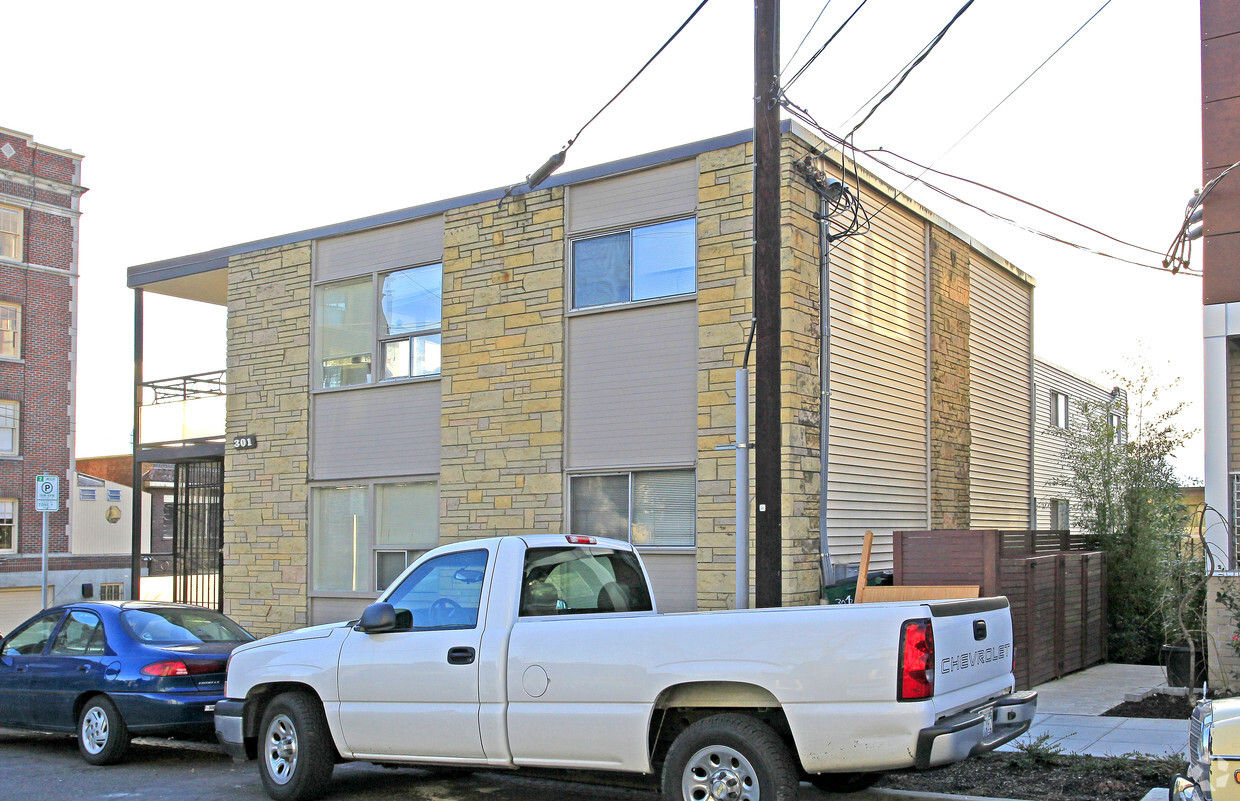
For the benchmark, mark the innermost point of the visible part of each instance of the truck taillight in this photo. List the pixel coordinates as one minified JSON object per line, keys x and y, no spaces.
{"x":916,"y":675}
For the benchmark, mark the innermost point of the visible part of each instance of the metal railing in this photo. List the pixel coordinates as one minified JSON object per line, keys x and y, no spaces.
{"x":186,"y":387}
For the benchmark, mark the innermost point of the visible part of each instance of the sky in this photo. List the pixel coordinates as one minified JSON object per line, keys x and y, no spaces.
{"x":209,"y":125}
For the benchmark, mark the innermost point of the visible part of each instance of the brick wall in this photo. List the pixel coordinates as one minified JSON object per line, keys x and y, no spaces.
{"x":1220,"y":629}
{"x":265,"y":489}
{"x":503,"y":368}
{"x":949,"y":381}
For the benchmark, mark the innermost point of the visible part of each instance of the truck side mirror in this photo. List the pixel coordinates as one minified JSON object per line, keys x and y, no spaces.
{"x":377,"y":618}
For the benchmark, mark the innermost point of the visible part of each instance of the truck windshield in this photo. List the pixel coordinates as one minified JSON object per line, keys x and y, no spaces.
{"x":575,"y":581}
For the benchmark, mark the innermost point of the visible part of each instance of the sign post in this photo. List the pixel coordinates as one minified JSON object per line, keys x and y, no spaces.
{"x":46,"y":499}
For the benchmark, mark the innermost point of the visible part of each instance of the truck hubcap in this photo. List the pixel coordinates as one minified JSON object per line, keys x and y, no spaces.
{"x":281,"y":749}
{"x":719,"y":773}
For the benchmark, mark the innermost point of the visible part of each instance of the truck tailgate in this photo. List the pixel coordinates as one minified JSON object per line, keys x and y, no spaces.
{"x":972,"y":642}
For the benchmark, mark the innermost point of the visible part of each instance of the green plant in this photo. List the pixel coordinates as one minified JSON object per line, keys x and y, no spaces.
{"x":1042,"y":750}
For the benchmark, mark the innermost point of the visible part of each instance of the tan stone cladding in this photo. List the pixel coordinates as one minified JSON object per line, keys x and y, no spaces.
{"x":503,"y":368}
{"x":949,"y":381}
{"x":265,"y":489}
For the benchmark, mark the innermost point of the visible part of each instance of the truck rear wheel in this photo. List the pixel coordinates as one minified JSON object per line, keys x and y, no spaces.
{"x":295,"y":756}
{"x":729,"y":757}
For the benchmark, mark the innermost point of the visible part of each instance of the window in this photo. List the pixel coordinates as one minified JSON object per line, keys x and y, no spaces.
{"x":10,"y":233}
{"x":81,"y":635}
{"x":401,"y":341}
{"x":653,"y":261}
{"x":574,"y":581}
{"x":85,"y":494}
{"x":443,"y":593}
{"x":1116,"y":422}
{"x":8,"y":525}
{"x":1059,"y":410}
{"x":111,"y":591}
{"x":31,"y":639}
{"x":114,"y":496}
{"x":10,"y":414}
{"x":1059,"y":515}
{"x":365,"y":535}
{"x":10,"y":331}
{"x":654,"y":508}
{"x":180,"y":626}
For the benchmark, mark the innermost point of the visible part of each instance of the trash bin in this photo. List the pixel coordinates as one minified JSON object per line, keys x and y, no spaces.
{"x":842,"y":592}
{"x":1176,"y":659}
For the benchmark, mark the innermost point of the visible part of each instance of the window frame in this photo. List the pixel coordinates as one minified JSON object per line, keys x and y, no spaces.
{"x":15,"y":335}
{"x":1061,"y":412}
{"x":571,"y":283}
{"x":378,"y":340}
{"x":369,"y":537}
{"x":17,"y":428}
{"x":117,"y":587}
{"x":17,"y":237}
{"x":631,"y":474}
{"x":1057,"y":507}
{"x":12,"y":524}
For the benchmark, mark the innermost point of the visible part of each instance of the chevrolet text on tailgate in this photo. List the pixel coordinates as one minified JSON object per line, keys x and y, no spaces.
{"x":547,"y":652}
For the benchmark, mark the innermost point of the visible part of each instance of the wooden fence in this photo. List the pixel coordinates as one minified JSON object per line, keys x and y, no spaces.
{"x":1056,"y":588}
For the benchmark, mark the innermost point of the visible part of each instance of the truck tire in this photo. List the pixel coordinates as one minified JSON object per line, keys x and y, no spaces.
{"x":295,"y":752}
{"x":843,"y":782}
{"x":102,"y":736}
{"x":729,"y":757}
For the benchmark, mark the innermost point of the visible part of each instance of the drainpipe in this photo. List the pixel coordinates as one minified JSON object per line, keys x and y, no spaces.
{"x":824,"y":385}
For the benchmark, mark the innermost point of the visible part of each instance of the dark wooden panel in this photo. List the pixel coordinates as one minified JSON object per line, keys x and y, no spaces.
{"x":1221,"y":260}
{"x":1222,"y":209}
{"x":1220,"y":133}
{"x":1219,"y":77}
{"x":1219,"y":18}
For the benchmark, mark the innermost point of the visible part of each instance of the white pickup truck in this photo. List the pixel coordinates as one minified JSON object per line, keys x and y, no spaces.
{"x":547,"y":651}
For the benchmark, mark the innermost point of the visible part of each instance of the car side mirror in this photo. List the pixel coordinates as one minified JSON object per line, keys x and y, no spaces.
{"x":377,"y":619}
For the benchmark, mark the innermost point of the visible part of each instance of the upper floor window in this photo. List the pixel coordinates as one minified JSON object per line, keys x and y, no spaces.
{"x":8,"y":525}
{"x":1116,"y":422}
{"x":648,"y":508}
{"x":9,"y":416}
{"x":10,"y":331}
{"x":379,"y":328}
{"x":10,"y":233}
{"x":1059,"y":410}
{"x":652,"y":261}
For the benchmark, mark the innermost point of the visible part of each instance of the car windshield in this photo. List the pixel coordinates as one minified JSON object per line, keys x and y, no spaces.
{"x":154,"y":626}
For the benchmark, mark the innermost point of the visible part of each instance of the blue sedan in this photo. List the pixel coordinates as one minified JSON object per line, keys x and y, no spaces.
{"x":109,"y":670}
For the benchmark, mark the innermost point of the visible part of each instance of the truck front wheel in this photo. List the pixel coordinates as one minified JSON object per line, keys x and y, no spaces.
{"x":295,"y":756}
{"x":729,"y":757}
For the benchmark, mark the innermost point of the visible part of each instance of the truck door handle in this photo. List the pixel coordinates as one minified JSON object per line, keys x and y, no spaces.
{"x":462,"y":655}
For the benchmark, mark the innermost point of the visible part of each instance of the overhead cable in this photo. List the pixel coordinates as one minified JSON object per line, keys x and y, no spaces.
{"x":830,"y":39}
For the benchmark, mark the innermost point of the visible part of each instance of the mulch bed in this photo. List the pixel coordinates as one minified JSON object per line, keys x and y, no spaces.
{"x":1157,"y":705}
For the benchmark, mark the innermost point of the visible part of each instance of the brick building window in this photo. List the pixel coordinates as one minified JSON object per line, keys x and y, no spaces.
{"x":653,"y":261}
{"x":10,"y":233}
{"x":111,"y":591}
{"x":10,"y":414}
{"x":386,"y":323}
{"x":1059,"y":410}
{"x":8,"y":525}
{"x":365,"y":535}
{"x":10,"y":331}
{"x":648,"y":508}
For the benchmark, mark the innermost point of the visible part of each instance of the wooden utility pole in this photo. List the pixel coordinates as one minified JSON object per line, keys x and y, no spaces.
{"x":768,"y":444}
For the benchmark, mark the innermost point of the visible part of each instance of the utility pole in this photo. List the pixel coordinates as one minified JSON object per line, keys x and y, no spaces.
{"x":768,"y":446}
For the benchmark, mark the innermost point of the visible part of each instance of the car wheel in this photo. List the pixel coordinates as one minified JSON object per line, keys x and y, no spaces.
{"x":102,"y":736}
{"x":843,"y":782}
{"x":295,"y":752}
{"x":729,"y":757}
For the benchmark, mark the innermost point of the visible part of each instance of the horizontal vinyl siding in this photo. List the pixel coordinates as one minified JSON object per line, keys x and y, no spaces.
{"x":333,"y":610}
{"x":632,"y":387}
{"x":1048,"y":445}
{"x":673,"y":578}
{"x":374,"y":432}
{"x":999,"y":392}
{"x":405,"y":245}
{"x":648,"y":195}
{"x":877,"y":475}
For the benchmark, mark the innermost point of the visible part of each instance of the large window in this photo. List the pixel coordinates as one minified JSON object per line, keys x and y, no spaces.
{"x":10,"y":233}
{"x":10,"y":414}
{"x":651,"y":508}
{"x":8,"y":525}
{"x":381,"y":327}
{"x":574,"y":581}
{"x":653,"y":261}
{"x":10,"y":331}
{"x":365,"y":535}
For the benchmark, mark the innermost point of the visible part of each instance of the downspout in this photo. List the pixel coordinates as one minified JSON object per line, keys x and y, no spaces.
{"x":824,"y":385}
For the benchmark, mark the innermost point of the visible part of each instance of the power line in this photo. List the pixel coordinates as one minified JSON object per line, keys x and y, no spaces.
{"x":804,"y":39}
{"x":925,"y":51}
{"x":1178,"y":255}
{"x":830,"y":39}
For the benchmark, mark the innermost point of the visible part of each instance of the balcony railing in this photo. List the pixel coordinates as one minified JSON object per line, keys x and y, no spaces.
{"x":188,"y":408}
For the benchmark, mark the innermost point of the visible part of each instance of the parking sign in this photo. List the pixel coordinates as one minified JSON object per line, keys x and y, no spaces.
{"x":46,"y":493}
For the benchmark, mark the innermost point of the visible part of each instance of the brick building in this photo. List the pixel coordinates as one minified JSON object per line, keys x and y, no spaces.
{"x":564,"y":359}
{"x":40,"y":188}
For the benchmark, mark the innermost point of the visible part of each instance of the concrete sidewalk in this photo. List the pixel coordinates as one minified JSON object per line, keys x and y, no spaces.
{"x":1069,"y":711}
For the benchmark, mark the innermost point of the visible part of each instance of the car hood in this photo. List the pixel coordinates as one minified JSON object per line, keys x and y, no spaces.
{"x":310,"y":633}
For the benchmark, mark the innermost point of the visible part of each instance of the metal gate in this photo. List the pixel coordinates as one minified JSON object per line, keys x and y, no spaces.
{"x":198,"y":534}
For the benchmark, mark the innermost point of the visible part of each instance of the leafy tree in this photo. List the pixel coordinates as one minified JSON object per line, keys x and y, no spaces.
{"x":1125,"y":495}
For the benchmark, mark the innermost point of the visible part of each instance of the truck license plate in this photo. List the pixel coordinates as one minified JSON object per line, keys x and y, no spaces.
{"x":988,"y":723}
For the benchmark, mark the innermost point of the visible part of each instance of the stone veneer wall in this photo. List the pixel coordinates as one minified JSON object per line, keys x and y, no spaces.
{"x":949,"y":381}
{"x":1220,"y":629}
{"x":503,"y":368}
{"x":265,"y":489}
